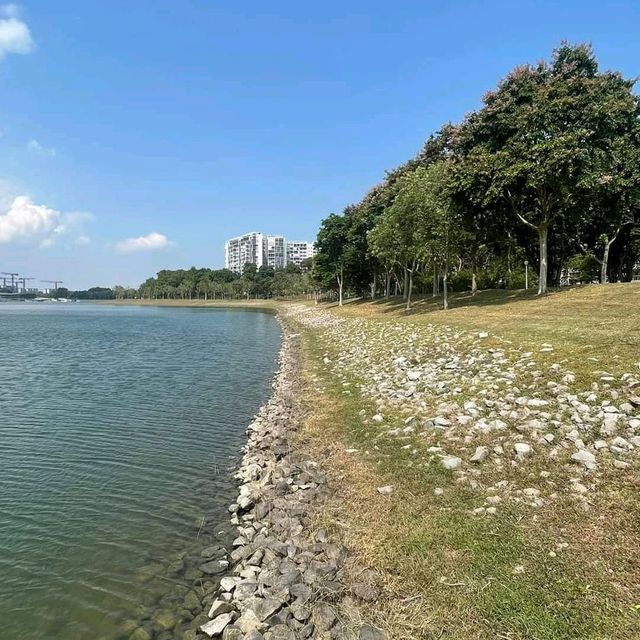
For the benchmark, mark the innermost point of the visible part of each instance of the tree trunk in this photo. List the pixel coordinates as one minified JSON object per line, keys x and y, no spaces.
{"x":445,"y":288}
{"x":340,"y":281}
{"x":373,"y":287}
{"x":474,"y":282}
{"x":387,"y":285}
{"x":406,"y":284}
{"x":605,"y":262}
{"x":543,"y":235}
{"x":409,"y":274}
{"x":435,"y":280}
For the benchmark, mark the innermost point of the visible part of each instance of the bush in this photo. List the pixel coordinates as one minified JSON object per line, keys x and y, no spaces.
{"x":460,"y":280}
{"x":583,"y":268}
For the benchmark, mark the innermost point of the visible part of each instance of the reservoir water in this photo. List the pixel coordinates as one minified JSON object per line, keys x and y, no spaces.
{"x":119,"y":430}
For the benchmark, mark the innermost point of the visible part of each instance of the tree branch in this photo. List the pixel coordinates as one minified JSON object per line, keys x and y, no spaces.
{"x":529,"y":224}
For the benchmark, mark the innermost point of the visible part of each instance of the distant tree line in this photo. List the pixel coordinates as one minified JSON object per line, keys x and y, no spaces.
{"x":94,"y":293}
{"x":546,"y":172}
{"x":222,"y":284}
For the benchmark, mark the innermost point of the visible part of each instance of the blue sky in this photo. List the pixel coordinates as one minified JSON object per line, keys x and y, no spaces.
{"x":199,"y":120}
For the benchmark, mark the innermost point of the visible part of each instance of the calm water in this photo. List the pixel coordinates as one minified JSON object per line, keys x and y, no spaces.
{"x":118,"y":430}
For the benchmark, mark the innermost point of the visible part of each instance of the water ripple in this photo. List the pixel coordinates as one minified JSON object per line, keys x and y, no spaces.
{"x":119,"y":428}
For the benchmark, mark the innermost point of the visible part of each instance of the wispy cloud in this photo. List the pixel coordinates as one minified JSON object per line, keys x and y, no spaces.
{"x":36,"y":147}
{"x":15,"y":36}
{"x":150,"y":242}
{"x":36,"y":224}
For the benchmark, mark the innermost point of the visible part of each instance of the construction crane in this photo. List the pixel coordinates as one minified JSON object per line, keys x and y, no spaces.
{"x":24,"y":283}
{"x":13,"y":278}
{"x":55,"y":283}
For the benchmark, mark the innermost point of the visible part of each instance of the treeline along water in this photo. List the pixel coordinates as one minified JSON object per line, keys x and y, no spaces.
{"x":118,"y":430}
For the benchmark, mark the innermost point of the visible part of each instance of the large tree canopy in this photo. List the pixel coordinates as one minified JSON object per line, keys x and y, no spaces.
{"x":547,"y":169}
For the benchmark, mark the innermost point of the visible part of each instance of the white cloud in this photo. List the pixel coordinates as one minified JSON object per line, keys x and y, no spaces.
{"x":15,"y":36}
{"x":31,"y":223}
{"x":150,"y":242}
{"x":36,"y":147}
{"x":81,"y":241}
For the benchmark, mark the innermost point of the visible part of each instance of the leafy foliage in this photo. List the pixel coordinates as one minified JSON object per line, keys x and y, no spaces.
{"x":555,"y":150}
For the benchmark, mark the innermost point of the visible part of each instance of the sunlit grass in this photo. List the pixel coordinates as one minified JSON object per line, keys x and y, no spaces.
{"x":448,"y":574}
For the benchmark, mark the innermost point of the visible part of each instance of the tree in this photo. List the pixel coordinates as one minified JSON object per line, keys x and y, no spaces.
{"x":408,"y":230}
{"x":204,"y":286}
{"x":383,"y":242}
{"x":334,"y":252}
{"x":445,"y":232}
{"x":545,"y":134}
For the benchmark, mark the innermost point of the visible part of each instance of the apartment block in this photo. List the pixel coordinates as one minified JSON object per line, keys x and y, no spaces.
{"x":276,"y":252}
{"x":263,"y":250}
{"x":298,"y":252}
{"x":249,"y":248}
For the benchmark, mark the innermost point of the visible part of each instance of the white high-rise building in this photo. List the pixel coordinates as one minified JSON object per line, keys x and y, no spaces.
{"x":298,"y":252}
{"x":249,"y":248}
{"x":260,"y":249}
{"x":276,"y":252}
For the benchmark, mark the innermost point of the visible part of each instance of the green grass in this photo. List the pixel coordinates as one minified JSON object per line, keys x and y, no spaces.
{"x":446,"y":573}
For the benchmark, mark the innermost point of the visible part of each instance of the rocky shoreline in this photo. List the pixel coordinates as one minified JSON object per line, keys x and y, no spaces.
{"x":288,"y":579}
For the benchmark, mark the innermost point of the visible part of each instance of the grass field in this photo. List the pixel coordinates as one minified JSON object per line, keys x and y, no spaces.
{"x":566,"y":568}
{"x":592,"y":327}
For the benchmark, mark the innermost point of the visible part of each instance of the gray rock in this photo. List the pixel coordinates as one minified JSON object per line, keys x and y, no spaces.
{"x":368,"y":632}
{"x":323,"y":617}
{"x":233,"y":633}
{"x":229,"y":584}
{"x":165,"y":620}
{"x":249,"y":622}
{"x":387,"y":490}
{"x":302,"y":592}
{"x":299,"y":612}
{"x":214,"y":568}
{"x":219,"y":607}
{"x":216,"y":626}
{"x":280,"y":632}
{"x":245,"y":590}
{"x":479,"y":455}
{"x":192,"y":602}
{"x":451,"y":462}
{"x":366,"y":592}
{"x":586,"y":459}
{"x":266,"y":607}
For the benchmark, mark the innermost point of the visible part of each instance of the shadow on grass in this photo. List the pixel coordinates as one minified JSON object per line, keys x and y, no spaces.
{"x":462,"y":299}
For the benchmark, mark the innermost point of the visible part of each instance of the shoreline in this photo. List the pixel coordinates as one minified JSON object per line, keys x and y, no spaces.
{"x":290,"y":577}
{"x":265,"y":306}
